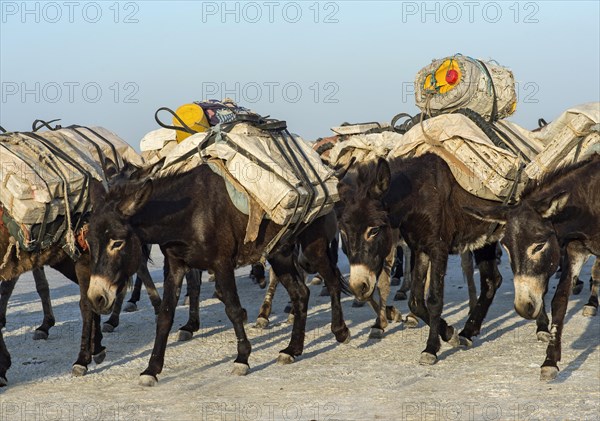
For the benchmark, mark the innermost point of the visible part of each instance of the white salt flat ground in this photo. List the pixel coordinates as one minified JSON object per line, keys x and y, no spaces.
{"x":497,"y":379}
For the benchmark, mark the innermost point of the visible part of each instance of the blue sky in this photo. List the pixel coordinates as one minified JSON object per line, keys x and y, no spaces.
{"x":314,"y":64}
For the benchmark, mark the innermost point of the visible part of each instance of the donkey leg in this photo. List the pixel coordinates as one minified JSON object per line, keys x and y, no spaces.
{"x":542,"y":322}
{"x":113,"y":321}
{"x":491,"y":280}
{"x":257,"y":273}
{"x":591,"y":308}
{"x":143,"y":276}
{"x":435,"y":303}
{"x":225,"y":285}
{"x":153,"y":294}
{"x":5,"y":362}
{"x":331,"y":277}
{"x":262,"y":320}
{"x":194,"y":281}
{"x":324,"y":256}
{"x":80,"y":366}
{"x":383,"y":286}
{"x":285,"y":269}
{"x":409,"y":258}
{"x":574,"y":260}
{"x":43,"y":290}
{"x":131,"y":304}
{"x":175,"y":271}
{"x":416,"y":304}
{"x":466,"y":262}
{"x":6,"y":289}
{"x":98,"y":351}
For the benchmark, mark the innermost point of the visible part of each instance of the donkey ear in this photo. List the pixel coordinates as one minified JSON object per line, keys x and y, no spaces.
{"x":489,"y":213}
{"x":97,"y":192}
{"x":381,"y":183}
{"x":550,"y":207}
{"x":132,"y":203}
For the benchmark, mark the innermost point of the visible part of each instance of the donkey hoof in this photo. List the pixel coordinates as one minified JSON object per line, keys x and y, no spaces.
{"x":356,"y":303}
{"x":411,"y":321}
{"x":543,"y":336}
{"x":344,"y":337}
{"x":130,"y":307}
{"x":454,"y":340}
{"x":284,"y":358}
{"x":147,"y":380}
{"x":578,"y":287}
{"x":99,"y":357}
{"x":186,"y":300}
{"x":78,"y":370}
{"x":3,"y":381}
{"x":184,"y":335}
{"x":262,"y":283}
{"x":324,"y":292}
{"x":39,"y":335}
{"x":290,"y":318}
{"x":427,"y":358}
{"x":400,"y":296}
{"x":464,"y":341}
{"x":261,"y":323}
{"x":395,"y":281}
{"x":589,"y":311}
{"x":287,"y":309}
{"x":376,"y":333}
{"x":548,"y":373}
{"x":108,"y":328}
{"x":316,"y":280}
{"x":392,"y":314}
{"x":240,"y":369}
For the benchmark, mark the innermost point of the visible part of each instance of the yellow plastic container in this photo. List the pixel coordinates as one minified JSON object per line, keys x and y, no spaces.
{"x":193,"y":116}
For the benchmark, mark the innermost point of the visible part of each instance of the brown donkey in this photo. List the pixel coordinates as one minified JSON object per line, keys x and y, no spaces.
{"x":421,"y":198}
{"x":560,"y":212}
{"x":143,"y":210}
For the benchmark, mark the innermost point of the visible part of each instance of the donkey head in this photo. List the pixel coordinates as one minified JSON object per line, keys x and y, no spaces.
{"x":115,"y":249}
{"x":364,"y":226}
{"x":532,"y":246}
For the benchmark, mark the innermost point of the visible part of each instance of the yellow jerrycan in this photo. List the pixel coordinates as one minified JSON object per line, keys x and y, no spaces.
{"x":193,"y":116}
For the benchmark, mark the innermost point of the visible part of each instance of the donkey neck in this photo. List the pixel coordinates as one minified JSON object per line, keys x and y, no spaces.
{"x":167,"y":215}
{"x":581,"y":213}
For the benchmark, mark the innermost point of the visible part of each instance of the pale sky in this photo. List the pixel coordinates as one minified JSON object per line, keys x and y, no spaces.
{"x":314,"y":64}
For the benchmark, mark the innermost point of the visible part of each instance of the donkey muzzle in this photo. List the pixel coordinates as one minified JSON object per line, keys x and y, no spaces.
{"x":529,"y":296}
{"x":101,"y":294}
{"x":362,"y":282}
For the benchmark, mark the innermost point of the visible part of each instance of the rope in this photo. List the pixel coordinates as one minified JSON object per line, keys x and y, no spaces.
{"x":11,"y":245}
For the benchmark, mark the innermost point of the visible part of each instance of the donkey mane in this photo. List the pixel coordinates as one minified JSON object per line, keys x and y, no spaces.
{"x":555,"y":175}
{"x":125,"y":181}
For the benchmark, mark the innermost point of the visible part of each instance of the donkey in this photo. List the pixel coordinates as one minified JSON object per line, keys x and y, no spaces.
{"x":143,"y":276}
{"x":420,"y":197}
{"x":145,"y":210}
{"x":558,"y":212}
{"x":17,"y":262}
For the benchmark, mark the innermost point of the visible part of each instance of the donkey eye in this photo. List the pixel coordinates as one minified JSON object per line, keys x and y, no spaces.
{"x":373,"y":232}
{"x":116,"y":244}
{"x":538,"y":247}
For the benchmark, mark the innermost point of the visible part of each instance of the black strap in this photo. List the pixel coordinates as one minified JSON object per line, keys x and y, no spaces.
{"x":183,"y":128}
{"x":35,"y":127}
{"x":494,"y":115}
